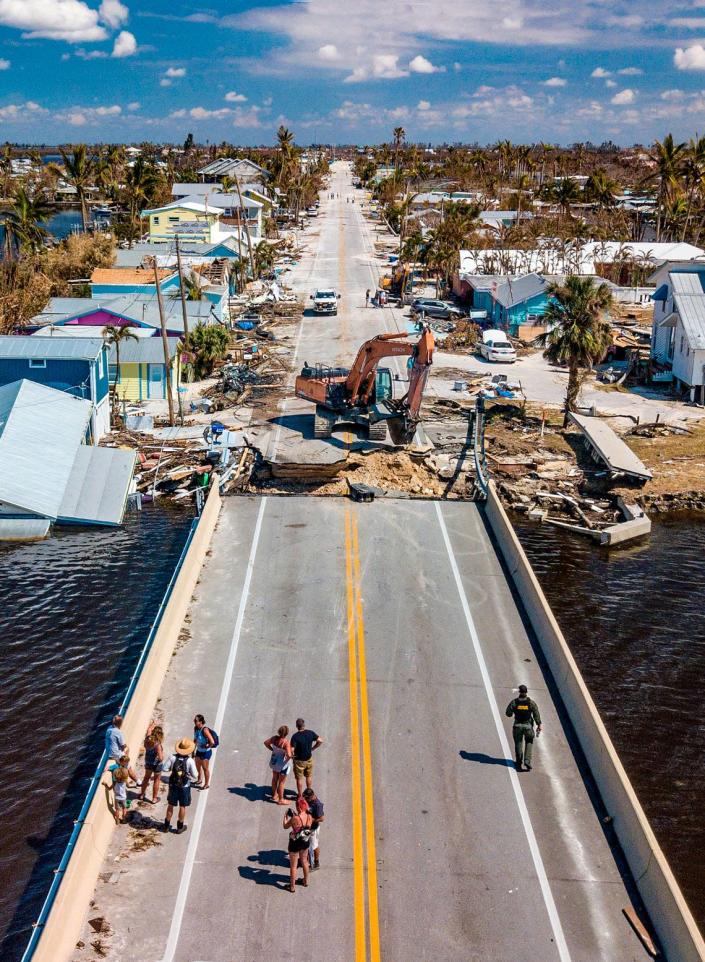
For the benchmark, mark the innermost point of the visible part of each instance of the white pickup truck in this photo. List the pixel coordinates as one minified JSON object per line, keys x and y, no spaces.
{"x":325,"y":301}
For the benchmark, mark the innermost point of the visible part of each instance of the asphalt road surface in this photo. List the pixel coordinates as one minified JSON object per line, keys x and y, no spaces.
{"x":391,"y":629}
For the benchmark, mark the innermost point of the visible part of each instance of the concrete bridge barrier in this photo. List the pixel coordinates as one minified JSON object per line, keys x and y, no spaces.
{"x":669,"y":912}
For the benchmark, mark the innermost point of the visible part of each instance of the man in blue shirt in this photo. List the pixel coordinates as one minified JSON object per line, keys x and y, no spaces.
{"x":115,"y":745}
{"x":315,"y":807}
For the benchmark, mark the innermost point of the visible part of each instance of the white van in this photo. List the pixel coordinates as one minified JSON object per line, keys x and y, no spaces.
{"x":495,"y":346}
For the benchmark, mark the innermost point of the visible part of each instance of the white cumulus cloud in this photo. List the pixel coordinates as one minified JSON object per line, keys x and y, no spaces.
{"x":125,"y":45}
{"x":175,"y":72}
{"x":4,"y":64}
{"x":630,"y":71}
{"x":235,"y":98}
{"x":384,"y":66}
{"x":690,"y":58}
{"x":329,"y":51}
{"x":420,"y":64}
{"x":626,"y":96}
{"x":601,"y":72}
{"x":70,"y":20}
{"x":555,"y":82}
{"x":423,"y":105}
{"x":113,"y":13}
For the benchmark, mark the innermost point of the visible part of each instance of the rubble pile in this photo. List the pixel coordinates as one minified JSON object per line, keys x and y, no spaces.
{"x":462,"y":339}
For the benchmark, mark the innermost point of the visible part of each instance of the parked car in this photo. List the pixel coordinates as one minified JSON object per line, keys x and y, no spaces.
{"x":312,"y":211}
{"x":496,"y":346}
{"x":435,"y":308}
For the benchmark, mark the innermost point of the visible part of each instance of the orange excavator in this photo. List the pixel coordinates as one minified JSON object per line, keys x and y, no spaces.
{"x":364,"y":394}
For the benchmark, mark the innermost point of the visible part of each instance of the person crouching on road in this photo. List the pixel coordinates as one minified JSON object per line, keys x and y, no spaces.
{"x":183,"y":769}
{"x":279,"y":762}
{"x":205,"y":743}
{"x":300,"y":824}
{"x":525,"y":712}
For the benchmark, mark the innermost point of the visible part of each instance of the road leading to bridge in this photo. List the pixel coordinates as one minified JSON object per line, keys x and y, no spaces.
{"x":391,"y":629}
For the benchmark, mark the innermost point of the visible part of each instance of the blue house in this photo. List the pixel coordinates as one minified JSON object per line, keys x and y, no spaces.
{"x":510,"y":302}
{"x":112,"y":281}
{"x":74,"y":365}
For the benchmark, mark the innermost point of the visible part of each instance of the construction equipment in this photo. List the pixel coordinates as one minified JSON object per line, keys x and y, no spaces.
{"x":364,"y":393}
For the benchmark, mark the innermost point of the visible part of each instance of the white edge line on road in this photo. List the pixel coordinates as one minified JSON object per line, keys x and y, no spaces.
{"x":561,"y":944}
{"x":182,"y":895}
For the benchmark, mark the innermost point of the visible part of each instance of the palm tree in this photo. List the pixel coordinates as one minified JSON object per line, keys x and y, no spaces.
{"x":600,"y":188}
{"x":78,"y":170}
{"x":140,"y":181}
{"x":285,"y":145}
{"x":6,"y":168}
{"x":566,"y":193}
{"x":110,"y":170}
{"x":578,"y":334}
{"x":192,"y":288}
{"x":693,"y":172}
{"x":210,"y":344}
{"x":114,"y":335}
{"x":399,"y":134}
{"x":23,"y":222}
{"x":264,"y":255}
{"x":668,"y":157}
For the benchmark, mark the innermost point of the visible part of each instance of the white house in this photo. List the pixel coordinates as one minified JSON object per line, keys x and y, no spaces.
{"x":678,"y":333}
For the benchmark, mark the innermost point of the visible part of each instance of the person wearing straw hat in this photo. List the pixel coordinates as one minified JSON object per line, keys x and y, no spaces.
{"x":182,"y":769}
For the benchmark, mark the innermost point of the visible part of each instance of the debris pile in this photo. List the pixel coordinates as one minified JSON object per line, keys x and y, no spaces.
{"x":462,"y":338}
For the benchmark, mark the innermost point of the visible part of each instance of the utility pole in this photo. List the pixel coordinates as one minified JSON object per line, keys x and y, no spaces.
{"x":165,"y":343}
{"x":247,"y":230}
{"x":183,"y":293}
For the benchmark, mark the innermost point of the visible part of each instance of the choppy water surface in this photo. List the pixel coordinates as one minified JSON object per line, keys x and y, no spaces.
{"x":635,"y":621}
{"x":74,"y":613}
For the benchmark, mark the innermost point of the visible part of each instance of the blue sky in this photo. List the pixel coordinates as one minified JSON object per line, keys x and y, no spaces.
{"x":351,"y":70}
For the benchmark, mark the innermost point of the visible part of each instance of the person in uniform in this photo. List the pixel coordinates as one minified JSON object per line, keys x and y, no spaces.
{"x":525,"y":712}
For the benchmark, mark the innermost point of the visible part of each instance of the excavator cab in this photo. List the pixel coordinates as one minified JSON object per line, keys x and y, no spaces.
{"x":383,"y":385}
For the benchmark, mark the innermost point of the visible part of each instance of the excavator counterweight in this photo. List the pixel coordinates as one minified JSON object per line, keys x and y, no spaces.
{"x":363,"y":394}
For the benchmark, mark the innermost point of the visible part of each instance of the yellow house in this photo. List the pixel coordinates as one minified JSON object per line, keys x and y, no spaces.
{"x":187,"y":220}
{"x":140,"y":374}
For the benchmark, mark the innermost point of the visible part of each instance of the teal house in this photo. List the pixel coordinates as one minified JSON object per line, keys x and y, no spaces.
{"x":511,"y":303}
{"x":112,"y":281}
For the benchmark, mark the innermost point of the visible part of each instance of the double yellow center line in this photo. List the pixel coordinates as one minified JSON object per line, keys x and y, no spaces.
{"x":366,"y":924}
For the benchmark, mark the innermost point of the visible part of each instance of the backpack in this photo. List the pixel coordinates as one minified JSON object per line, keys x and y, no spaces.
{"x":304,"y":833}
{"x":214,"y":736}
{"x":179,"y":771}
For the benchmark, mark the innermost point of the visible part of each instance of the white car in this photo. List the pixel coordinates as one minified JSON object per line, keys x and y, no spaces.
{"x":496,"y":346}
{"x":325,"y":301}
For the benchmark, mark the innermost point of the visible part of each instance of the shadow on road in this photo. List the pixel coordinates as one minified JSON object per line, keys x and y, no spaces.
{"x":483,"y":759}
{"x":250,"y":791}
{"x":263,"y":876}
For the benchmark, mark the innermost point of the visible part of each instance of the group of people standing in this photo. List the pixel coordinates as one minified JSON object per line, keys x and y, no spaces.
{"x":304,"y":820}
{"x":188,"y":766}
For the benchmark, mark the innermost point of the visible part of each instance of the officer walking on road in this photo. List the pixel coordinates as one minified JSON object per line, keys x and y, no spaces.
{"x":525,"y":712}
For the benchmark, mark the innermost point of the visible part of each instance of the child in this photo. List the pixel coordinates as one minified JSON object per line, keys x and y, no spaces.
{"x":120,"y":777}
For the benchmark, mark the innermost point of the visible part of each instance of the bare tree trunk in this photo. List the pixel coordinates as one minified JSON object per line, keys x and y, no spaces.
{"x":572,"y":390}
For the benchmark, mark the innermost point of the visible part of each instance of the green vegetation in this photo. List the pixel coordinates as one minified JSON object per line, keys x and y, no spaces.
{"x":209,"y":343}
{"x":579,"y":334}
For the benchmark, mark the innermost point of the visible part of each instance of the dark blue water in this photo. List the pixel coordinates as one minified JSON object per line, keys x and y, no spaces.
{"x":74,"y":613}
{"x":635,"y":622}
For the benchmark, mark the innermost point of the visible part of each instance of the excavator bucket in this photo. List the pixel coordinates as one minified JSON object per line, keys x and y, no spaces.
{"x":401,"y":430}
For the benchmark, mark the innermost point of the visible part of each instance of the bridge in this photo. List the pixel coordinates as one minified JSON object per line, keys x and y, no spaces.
{"x":400,"y":631}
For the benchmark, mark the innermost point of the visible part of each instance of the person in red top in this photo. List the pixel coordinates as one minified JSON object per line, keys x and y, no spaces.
{"x":300,"y":824}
